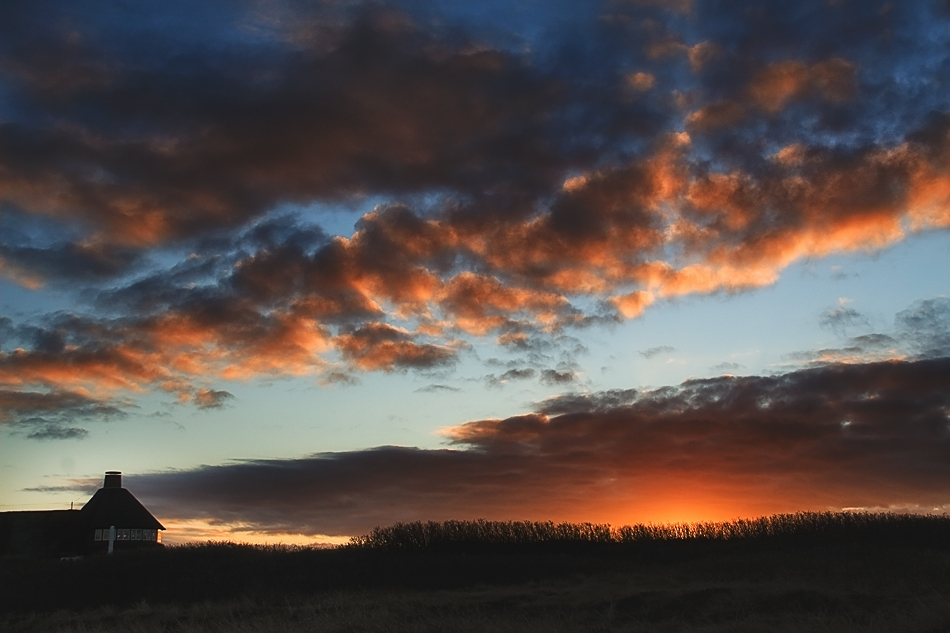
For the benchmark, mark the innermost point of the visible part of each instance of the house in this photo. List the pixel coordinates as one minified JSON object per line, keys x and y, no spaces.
{"x":113,"y":519}
{"x":38,"y":533}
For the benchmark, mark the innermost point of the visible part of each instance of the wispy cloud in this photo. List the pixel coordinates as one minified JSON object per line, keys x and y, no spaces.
{"x":437,"y":389}
{"x":525,"y":373}
{"x":58,"y":433}
{"x":657,"y":351}
{"x":49,"y":415}
{"x":842,"y":317}
{"x":920,"y":331}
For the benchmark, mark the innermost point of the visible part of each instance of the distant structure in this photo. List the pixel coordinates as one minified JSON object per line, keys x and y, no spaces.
{"x":113,"y":519}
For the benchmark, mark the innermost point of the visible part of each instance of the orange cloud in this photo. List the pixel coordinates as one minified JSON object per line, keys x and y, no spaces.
{"x":701,"y":54}
{"x":790,"y":155}
{"x":632,"y":305}
{"x":479,"y":304}
{"x":777,"y":84}
{"x":640,"y":81}
{"x":731,"y":196}
{"x":98,"y":370}
{"x":627,"y":235}
{"x":929,"y":198}
{"x":595,"y":231}
{"x":379,"y":346}
{"x":699,"y":278}
{"x":720,"y":114}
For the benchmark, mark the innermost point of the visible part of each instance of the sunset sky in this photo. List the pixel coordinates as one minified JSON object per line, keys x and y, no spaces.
{"x":299,"y":269}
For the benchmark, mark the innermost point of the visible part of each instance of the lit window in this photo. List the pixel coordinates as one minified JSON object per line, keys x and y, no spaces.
{"x":98,"y":535}
{"x":158,"y":536}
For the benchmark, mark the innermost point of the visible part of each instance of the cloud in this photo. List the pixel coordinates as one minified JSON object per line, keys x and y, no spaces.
{"x":778,"y":83}
{"x":524,"y":373}
{"x":437,"y":389}
{"x":380,"y":346}
{"x":65,"y":261}
{"x":656,"y":351}
{"x":164,"y":143}
{"x":871,"y":435}
{"x":841,"y":318}
{"x":211,"y":398}
{"x":50,"y":415}
{"x":174,"y":179}
{"x":479,"y":304}
{"x":926,"y":325}
{"x":921,"y":331}
{"x":727,"y":367}
{"x":554,"y":377}
{"x":337,"y":377}
{"x":83,"y":486}
{"x":58,"y":433}
{"x":588,"y":402}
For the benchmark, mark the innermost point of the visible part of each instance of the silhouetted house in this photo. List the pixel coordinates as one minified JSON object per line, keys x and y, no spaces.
{"x":39,"y":533}
{"x":113,"y":516}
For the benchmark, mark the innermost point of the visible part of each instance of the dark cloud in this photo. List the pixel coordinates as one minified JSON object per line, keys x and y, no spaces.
{"x":656,"y":351}
{"x":380,"y":346}
{"x":211,"y":398}
{"x":171,"y":133}
{"x":871,"y":435}
{"x":58,"y":433}
{"x":554,"y":377}
{"x":7,"y":333}
{"x":727,"y":367}
{"x":874,"y":341}
{"x":589,"y":402}
{"x":53,"y":409}
{"x":66,"y":261}
{"x":841,"y":318}
{"x":76,"y":487}
{"x":437,"y":389}
{"x":163,"y":142}
{"x":926,"y":325}
{"x":339,"y":378}
{"x":921,"y":331}
{"x":525,"y":373}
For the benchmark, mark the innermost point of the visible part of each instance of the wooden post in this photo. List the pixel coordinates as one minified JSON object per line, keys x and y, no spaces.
{"x":111,"y":538}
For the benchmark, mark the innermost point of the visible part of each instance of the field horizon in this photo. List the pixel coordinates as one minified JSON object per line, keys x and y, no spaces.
{"x":795,"y":572}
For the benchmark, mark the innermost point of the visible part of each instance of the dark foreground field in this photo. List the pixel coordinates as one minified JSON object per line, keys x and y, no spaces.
{"x":808,"y":572}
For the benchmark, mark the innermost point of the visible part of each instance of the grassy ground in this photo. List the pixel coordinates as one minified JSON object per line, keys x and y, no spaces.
{"x":835,"y":584}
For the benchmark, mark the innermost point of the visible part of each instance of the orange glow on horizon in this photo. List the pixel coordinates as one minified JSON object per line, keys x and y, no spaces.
{"x":188,"y":531}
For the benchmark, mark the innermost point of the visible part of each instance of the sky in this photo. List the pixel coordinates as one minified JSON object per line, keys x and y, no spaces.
{"x":300,"y":269}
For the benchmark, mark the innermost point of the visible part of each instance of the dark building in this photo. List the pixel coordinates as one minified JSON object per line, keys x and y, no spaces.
{"x":113,"y":519}
{"x":39,"y":533}
{"x":115,"y":515}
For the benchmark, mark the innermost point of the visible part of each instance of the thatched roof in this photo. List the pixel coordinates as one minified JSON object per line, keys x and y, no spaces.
{"x":118,"y":507}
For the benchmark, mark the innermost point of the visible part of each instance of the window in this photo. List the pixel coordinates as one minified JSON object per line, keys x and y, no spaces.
{"x":158,"y":536}
{"x":98,"y":534}
{"x":136,"y":534}
{"x":122,"y":534}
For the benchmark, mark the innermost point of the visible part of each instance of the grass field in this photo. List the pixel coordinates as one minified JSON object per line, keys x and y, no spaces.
{"x":807,"y":572}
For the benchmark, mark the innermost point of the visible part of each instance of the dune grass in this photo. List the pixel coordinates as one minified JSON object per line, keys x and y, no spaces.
{"x":780,"y":529}
{"x":806,"y":572}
